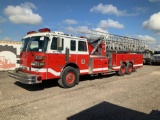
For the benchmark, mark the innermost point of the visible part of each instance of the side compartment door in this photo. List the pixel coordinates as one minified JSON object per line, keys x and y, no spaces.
{"x":97,"y":65}
{"x":105,"y":65}
{"x":100,"y":65}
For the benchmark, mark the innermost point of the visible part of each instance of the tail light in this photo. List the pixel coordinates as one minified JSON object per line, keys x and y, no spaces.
{"x":37,"y":64}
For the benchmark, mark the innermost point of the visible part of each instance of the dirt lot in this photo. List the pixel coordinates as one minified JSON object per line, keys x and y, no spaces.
{"x":131,"y":97}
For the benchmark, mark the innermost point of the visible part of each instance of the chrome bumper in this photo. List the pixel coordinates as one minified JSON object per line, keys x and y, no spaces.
{"x":25,"y":78}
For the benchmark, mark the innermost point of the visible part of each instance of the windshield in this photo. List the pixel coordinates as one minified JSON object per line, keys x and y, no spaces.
{"x":35,"y":44}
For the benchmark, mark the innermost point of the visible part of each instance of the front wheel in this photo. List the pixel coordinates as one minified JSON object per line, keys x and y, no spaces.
{"x":69,"y":77}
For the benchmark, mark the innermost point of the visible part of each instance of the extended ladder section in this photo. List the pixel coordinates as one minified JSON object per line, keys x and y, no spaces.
{"x":121,"y":43}
{"x":116,"y":42}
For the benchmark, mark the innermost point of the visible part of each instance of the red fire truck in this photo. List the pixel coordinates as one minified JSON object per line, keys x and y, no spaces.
{"x":48,"y":55}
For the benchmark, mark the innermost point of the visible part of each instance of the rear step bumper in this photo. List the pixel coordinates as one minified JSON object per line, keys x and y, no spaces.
{"x":25,"y":78}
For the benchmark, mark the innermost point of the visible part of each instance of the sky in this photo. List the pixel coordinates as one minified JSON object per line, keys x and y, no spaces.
{"x":133,"y":18}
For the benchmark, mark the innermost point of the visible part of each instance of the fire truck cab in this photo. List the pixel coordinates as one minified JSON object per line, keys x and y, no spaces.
{"x":48,"y":55}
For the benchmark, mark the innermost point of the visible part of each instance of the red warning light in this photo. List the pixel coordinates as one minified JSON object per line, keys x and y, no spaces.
{"x":44,"y":30}
{"x":31,"y":32}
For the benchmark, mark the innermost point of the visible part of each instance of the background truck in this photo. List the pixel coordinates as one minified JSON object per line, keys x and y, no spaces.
{"x":156,"y":58}
{"x":47,"y":55}
{"x":148,"y":56}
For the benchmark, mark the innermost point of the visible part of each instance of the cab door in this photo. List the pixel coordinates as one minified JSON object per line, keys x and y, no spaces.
{"x":73,"y":51}
{"x":55,"y":58}
{"x":83,"y":57}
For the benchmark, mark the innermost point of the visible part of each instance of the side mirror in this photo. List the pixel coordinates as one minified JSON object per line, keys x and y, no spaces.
{"x":59,"y":43}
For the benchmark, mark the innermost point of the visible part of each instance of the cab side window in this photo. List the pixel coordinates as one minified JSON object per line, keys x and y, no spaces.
{"x":82,"y":46}
{"x":54,"y":43}
{"x":73,"y":45}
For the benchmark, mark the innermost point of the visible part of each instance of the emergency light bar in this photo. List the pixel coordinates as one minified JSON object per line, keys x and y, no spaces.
{"x":31,"y":32}
{"x":44,"y":30}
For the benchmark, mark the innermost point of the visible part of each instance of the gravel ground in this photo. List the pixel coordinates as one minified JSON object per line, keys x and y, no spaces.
{"x":111,"y":97}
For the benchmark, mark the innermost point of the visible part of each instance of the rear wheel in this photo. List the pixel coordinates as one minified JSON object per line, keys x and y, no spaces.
{"x":122,"y":70}
{"x":69,"y":77}
{"x":129,"y":68}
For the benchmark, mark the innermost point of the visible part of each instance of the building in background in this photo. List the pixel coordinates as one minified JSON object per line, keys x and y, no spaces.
{"x":9,"y":54}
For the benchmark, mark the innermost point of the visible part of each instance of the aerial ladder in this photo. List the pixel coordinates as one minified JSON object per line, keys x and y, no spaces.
{"x":115,"y":43}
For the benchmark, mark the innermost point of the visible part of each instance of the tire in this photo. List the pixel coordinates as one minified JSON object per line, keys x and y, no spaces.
{"x":122,"y":70}
{"x":129,"y":68}
{"x":69,"y":77}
